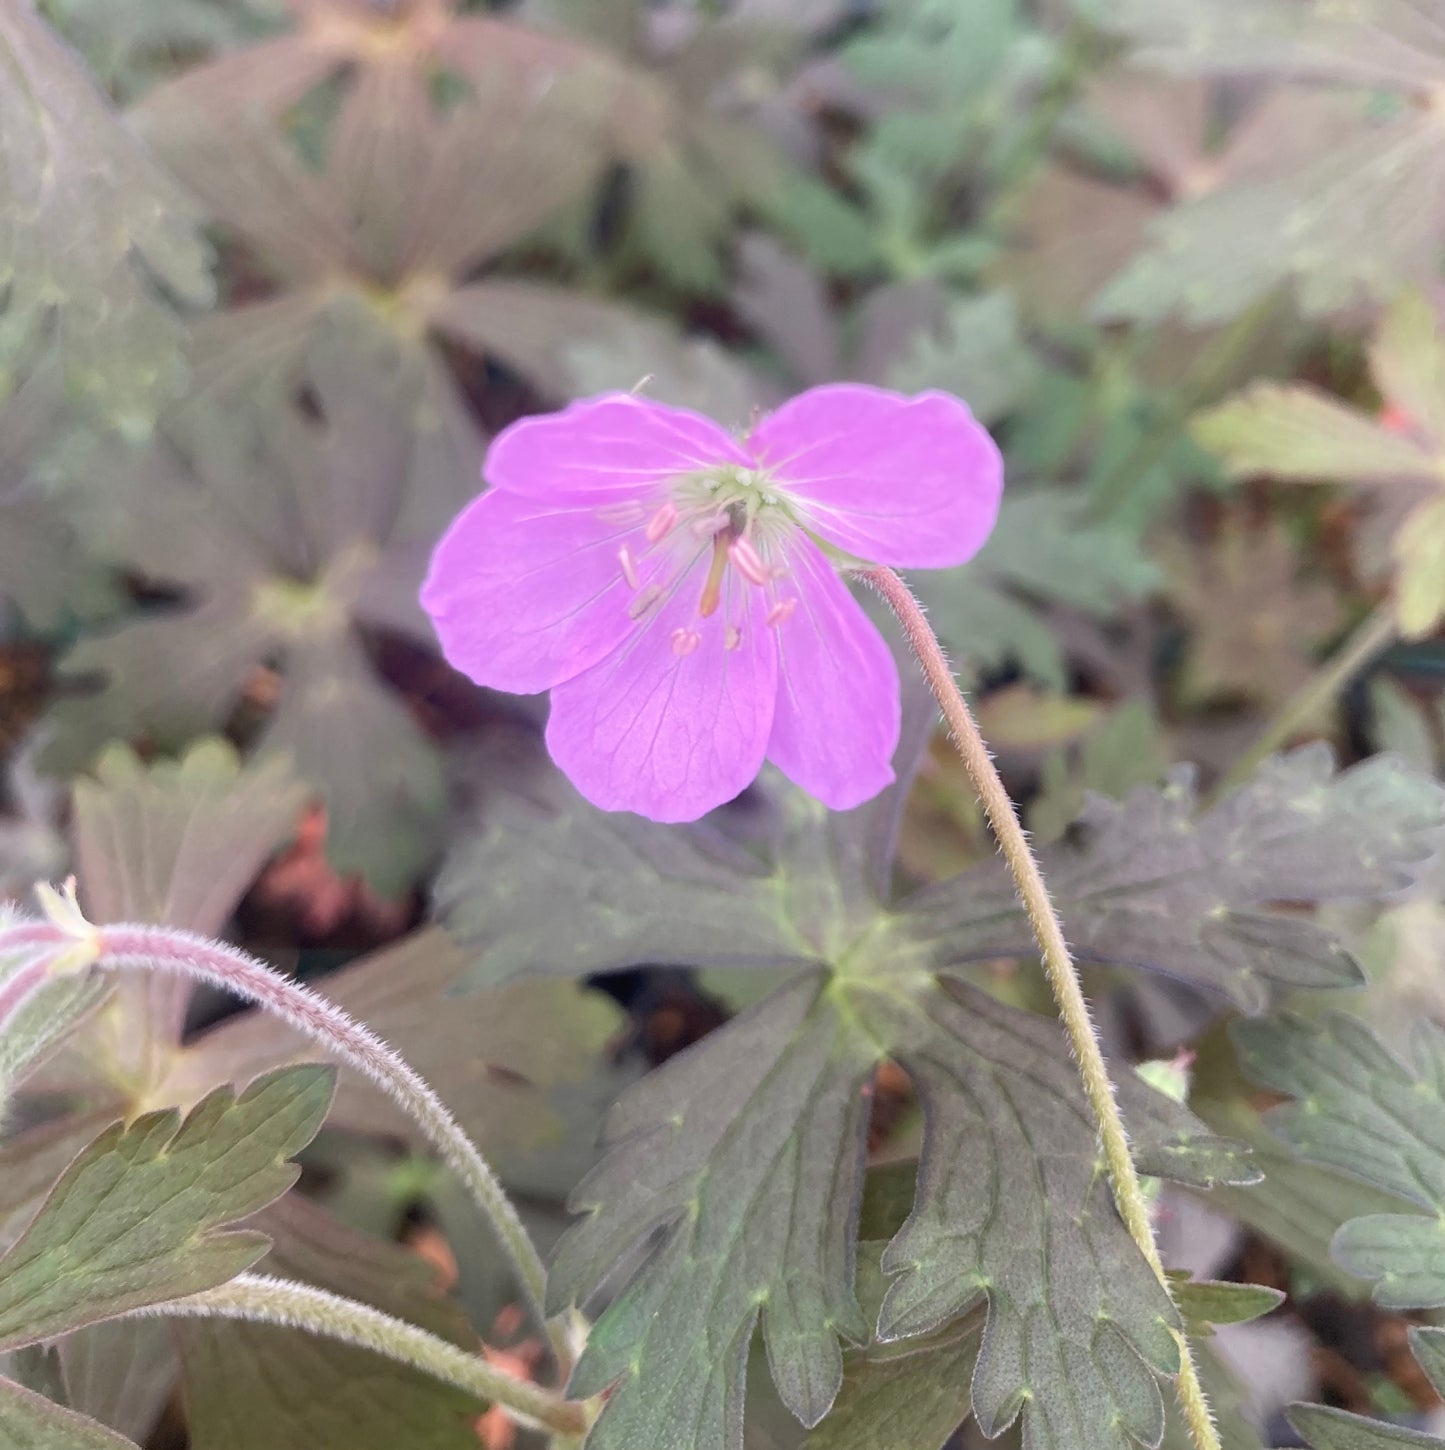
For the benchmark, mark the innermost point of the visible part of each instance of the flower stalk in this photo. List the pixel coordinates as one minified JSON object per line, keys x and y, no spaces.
{"x":264,"y":1300}
{"x":170,"y":949}
{"x":1058,"y":963}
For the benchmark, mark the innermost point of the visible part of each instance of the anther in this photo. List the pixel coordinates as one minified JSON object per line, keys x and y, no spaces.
{"x":709,"y":525}
{"x":781,"y":612}
{"x":684,"y":641}
{"x":629,"y":566}
{"x":645,"y":601}
{"x":661,"y":523}
{"x":750,"y":562}
{"x":733,"y":639}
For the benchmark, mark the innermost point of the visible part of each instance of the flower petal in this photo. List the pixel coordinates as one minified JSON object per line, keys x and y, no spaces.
{"x":671,"y":736}
{"x":913,"y":482}
{"x":525,"y":595}
{"x":838,"y":712}
{"x":616,"y":446}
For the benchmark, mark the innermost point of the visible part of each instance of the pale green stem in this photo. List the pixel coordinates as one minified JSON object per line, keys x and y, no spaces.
{"x":1375,"y":632}
{"x":264,"y":1300}
{"x":168,"y":949}
{"x":1057,"y":960}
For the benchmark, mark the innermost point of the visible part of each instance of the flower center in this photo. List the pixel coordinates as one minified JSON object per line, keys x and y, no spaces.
{"x":733,"y":518}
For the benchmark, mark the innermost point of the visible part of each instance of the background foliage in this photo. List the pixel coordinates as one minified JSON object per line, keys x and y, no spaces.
{"x":271,"y":274}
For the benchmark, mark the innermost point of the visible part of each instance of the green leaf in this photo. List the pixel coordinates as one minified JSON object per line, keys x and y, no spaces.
{"x":139,"y":1217}
{"x":912,"y":1392}
{"x":1359,"y":1108}
{"x":31,"y":1422}
{"x":743,"y":1157}
{"x":635,"y":891}
{"x":85,"y":219}
{"x":1364,"y":1112}
{"x":1205,"y":1302}
{"x":1299,"y":433}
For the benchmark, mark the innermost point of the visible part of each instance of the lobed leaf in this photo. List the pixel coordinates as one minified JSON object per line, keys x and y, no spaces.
{"x":139,"y":1216}
{"x":736,"y":1168}
{"x":86,"y":220}
{"x":1146,"y":883}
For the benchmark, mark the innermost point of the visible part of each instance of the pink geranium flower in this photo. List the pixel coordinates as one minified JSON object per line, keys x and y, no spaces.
{"x":677,"y":589}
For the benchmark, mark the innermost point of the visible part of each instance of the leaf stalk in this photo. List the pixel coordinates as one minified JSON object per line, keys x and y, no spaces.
{"x":264,"y":1300}
{"x":169,"y":949}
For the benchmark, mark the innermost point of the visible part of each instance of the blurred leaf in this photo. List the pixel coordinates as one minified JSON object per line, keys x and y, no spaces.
{"x":259,"y":1387}
{"x":86,"y":221}
{"x":1298,"y":433}
{"x":176,"y":843}
{"x":31,"y":1422}
{"x":284,"y":531}
{"x":745,"y":1152}
{"x":1348,"y":225}
{"x":499,"y":1061}
{"x":1253,"y":623}
{"x":1125,"y":749}
{"x":1043,"y":549}
{"x":974,"y":349}
{"x":138,"y":1217}
{"x":131,"y":44}
{"x":121,"y":1373}
{"x":962,"y":75}
{"x":687,"y":132}
{"x":44,"y":570}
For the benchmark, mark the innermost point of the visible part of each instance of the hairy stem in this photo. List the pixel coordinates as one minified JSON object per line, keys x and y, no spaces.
{"x":168,"y":949}
{"x":1374,"y":633}
{"x":1058,"y":963}
{"x":261,"y":1299}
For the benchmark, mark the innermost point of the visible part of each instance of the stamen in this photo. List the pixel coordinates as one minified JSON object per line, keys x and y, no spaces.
{"x":781,"y":612}
{"x":629,"y":566}
{"x":661,"y":523}
{"x":645,"y":601}
{"x":733,"y":639}
{"x":750,"y":562}
{"x":712,"y":587}
{"x":684,"y":641}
